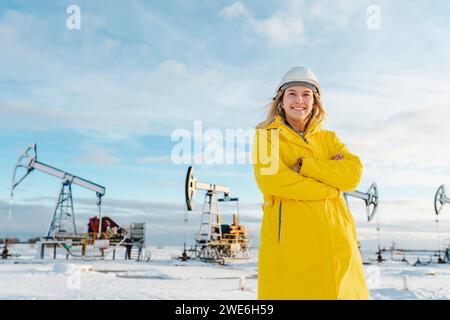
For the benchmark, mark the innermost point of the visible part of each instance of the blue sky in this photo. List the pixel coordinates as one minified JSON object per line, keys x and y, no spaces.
{"x":101,"y":102}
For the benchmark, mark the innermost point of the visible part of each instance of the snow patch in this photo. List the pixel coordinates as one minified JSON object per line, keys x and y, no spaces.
{"x":70,"y":268}
{"x":148,"y":274}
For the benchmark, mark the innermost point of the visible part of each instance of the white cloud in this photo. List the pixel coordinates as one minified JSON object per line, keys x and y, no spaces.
{"x":298,"y":23}
{"x":99,"y":157}
{"x":414,"y":139}
{"x":283,"y":28}
{"x":158,"y":101}
{"x":236,"y":10}
{"x":397,"y":123}
{"x":155,"y":159}
{"x":98,"y":88}
{"x":335,"y":13}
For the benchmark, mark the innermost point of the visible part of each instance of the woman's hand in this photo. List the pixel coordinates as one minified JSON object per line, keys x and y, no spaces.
{"x":339,"y":156}
{"x":298,"y":165}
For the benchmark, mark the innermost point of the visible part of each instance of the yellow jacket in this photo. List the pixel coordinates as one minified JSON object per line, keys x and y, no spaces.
{"x":308,"y":247}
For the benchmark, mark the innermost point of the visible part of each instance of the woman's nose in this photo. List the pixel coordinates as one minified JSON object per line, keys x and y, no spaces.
{"x":299,"y":98}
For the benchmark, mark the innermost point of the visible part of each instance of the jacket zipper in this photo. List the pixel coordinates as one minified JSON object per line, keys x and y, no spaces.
{"x":279,"y":221}
{"x":304,"y":138}
{"x":301,"y":135}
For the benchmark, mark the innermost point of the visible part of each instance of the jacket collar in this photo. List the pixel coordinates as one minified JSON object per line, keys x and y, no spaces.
{"x":278,"y":123}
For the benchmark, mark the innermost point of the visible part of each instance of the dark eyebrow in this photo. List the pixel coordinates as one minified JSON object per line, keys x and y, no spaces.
{"x":303,"y":91}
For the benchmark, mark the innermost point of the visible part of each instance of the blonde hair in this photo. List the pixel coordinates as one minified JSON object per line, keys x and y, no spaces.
{"x":317,"y":113}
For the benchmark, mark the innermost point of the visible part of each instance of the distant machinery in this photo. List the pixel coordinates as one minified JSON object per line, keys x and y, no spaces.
{"x":440,"y":199}
{"x":440,"y":255}
{"x":62,"y":231}
{"x":63,"y":215}
{"x":5,"y":252}
{"x":215,"y":241}
{"x":370,"y":198}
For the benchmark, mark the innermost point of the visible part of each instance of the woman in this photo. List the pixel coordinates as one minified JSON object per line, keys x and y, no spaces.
{"x":308,"y":247}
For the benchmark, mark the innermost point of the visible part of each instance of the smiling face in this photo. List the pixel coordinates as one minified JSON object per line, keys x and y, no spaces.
{"x":297,"y":104}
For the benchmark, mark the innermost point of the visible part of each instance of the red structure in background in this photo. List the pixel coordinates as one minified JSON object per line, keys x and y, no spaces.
{"x":107,"y":224}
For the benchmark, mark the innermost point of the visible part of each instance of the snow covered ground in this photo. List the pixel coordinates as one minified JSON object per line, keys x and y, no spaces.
{"x":163,"y":277}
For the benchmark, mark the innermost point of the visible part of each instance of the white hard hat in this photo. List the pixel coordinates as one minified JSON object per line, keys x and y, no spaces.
{"x":299,"y":76}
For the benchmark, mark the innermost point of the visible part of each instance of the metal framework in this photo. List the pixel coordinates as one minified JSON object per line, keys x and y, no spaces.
{"x":62,"y":232}
{"x":440,"y":199}
{"x":212,"y":242}
{"x":370,"y":198}
{"x":63,"y":214}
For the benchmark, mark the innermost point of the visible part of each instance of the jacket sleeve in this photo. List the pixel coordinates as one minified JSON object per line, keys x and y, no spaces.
{"x":343,"y":174}
{"x":274,"y":177}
